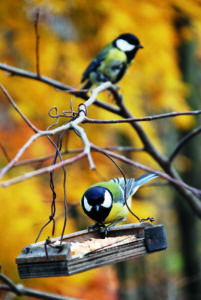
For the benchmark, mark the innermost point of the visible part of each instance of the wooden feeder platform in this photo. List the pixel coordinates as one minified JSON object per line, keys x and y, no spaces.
{"x":83,"y":250}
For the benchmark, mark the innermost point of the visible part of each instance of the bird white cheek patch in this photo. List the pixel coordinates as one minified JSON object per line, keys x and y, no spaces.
{"x":124,"y":45}
{"x":86,"y":205}
{"x":107,"y":200}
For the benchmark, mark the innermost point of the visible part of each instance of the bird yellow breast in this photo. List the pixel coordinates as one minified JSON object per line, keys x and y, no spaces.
{"x":115,"y":54}
{"x":118,"y":212}
{"x":115,"y":58}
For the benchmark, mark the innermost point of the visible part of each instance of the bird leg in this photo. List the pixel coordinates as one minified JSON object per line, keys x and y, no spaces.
{"x":151,"y":219}
{"x":114,"y":91}
{"x":108,"y":227}
{"x":96,"y":226}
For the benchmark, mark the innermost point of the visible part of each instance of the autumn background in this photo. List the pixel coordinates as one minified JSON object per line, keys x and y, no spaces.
{"x":165,"y":77}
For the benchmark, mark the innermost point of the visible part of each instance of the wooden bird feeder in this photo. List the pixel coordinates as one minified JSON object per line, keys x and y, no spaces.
{"x":83,"y":250}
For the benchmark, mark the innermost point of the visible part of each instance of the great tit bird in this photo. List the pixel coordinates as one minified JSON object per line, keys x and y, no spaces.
{"x":104,"y":202}
{"x":111,"y":63}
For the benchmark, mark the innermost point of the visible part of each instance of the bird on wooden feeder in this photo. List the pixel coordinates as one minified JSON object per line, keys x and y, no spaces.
{"x":109,"y":202}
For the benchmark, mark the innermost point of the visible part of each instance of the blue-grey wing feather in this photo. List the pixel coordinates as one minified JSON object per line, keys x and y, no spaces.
{"x":91,"y":67}
{"x":128,"y":184}
{"x":131,"y":185}
{"x":144,"y":179}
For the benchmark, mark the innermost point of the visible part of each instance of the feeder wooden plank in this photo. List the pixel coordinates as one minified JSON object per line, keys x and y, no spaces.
{"x":123,"y":243}
{"x":107,"y":256}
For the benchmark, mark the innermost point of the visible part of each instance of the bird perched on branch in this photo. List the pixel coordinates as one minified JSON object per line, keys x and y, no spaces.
{"x":109,"y":202}
{"x":111,"y":63}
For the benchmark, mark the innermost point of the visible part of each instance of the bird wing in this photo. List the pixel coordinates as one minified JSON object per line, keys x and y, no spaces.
{"x":128,"y":184}
{"x":95,"y":63}
{"x":144,"y":179}
{"x":91,"y":67}
{"x":132,"y":185}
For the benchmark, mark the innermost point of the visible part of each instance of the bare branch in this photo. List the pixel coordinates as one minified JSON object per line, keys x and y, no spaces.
{"x":74,"y":151}
{"x":87,"y":149}
{"x":79,"y":119}
{"x":5,"y":152}
{"x":147,"y":169}
{"x":144,"y":119}
{"x":20,"y":290}
{"x":193,"y":201}
{"x":123,"y":112}
{"x":37,"y":41}
{"x":26,"y":176}
{"x":183,"y":141}
{"x":151,"y":219}
{"x":10,"y":99}
{"x":41,"y":171}
{"x":9,"y":283}
{"x":19,"y":154}
{"x":56,"y":84}
{"x":30,"y":75}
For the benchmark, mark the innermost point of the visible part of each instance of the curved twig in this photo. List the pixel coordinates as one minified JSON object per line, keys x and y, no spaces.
{"x":125,"y":190}
{"x":183,"y":141}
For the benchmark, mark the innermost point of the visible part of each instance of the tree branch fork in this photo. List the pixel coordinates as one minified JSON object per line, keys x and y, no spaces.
{"x":81,"y":118}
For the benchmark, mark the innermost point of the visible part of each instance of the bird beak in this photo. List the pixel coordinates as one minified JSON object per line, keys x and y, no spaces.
{"x":140,"y":46}
{"x":97,"y":208}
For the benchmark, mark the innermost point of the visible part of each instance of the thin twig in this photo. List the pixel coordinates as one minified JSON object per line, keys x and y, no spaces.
{"x":20,"y":153}
{"x":41,"y":171}
{"x":145,"y":168}
{"x":5,"y":152}
{"x":192,"y":200}
{"x":9,"y":283}
{"x":74,"y":151}
{"x":87,"y":149}
{"x":44,"y":79}
{"x":80,"y":118}
{"x":20,"y":290}
{"x":183,"y":141}
{"x":119,"y":157}
{"x":125,"y":189}
{"x":144,"y":119}
{"x":10,"y":99}
{"x":58,"y":147}
{"x":123,"y":112}
{"x":37,"y":41}
{"x":56,"y":84}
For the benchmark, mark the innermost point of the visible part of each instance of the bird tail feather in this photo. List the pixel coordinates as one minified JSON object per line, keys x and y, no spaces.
{"x":144,"y":179}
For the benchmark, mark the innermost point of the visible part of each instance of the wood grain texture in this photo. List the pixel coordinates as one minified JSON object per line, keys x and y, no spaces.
{"x":34,"y":262}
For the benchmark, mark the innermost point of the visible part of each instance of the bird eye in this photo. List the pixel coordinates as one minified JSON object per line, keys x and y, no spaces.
{"x":124,"y":45}
{"x":107,"y":200}
{"x":86,"y":204}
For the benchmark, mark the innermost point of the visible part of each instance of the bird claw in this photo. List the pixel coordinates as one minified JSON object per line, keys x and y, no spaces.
{"x":104,"y":230}
{"x":151,"y":219}
{"x":96,"y":226}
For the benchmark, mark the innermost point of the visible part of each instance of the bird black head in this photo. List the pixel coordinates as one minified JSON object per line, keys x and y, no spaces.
{"x":97,"y":203}
{"x":128,"y":43}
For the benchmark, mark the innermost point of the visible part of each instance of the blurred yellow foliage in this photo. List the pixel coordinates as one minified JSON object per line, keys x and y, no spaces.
{"x":71,"y":33}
